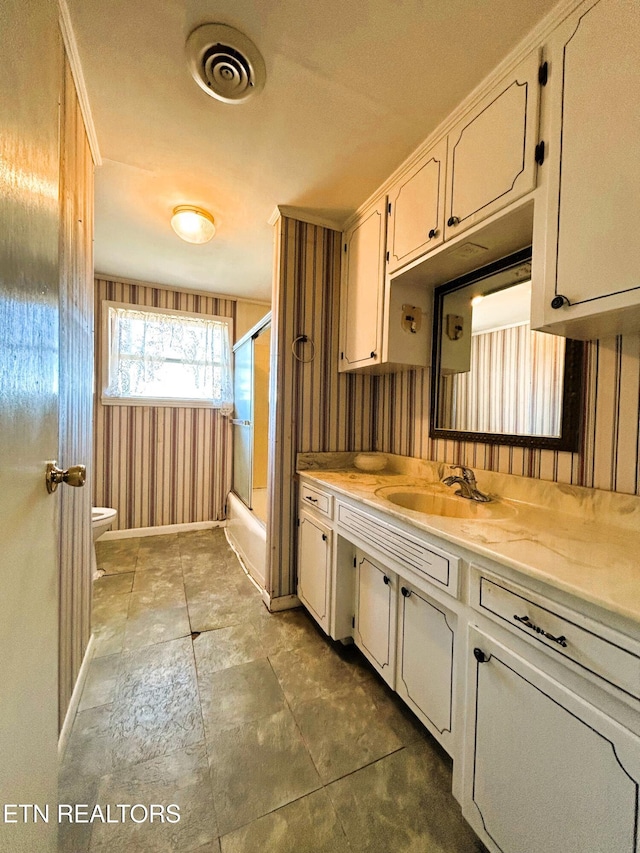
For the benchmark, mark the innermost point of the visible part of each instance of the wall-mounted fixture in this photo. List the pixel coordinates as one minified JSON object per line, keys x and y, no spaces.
{"x":225,"y":63}
{"x":193,"y":224}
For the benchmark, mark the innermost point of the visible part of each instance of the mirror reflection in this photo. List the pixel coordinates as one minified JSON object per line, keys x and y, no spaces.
{"x":493,"y":374}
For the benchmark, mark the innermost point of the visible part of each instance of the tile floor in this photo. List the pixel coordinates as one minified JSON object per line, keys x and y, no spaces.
{"x":267,"y":735}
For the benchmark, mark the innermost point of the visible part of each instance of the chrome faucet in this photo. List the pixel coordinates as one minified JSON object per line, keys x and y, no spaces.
{"x":468,"y":486}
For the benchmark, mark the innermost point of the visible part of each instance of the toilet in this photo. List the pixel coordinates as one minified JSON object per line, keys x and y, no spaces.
{"x":102,"y":517}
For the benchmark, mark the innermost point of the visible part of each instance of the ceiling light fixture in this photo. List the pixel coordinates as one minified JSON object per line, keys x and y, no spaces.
{"x":192,"y":224}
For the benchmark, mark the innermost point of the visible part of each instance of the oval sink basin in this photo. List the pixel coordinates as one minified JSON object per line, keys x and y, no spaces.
{"x":449,"y":506}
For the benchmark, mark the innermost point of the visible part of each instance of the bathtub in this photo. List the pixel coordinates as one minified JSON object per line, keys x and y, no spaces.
{"x":248,"y":536}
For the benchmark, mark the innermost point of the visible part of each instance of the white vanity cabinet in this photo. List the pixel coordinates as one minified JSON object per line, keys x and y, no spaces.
{"x":426,"y":660}
{"x":416,"y":209}
{"x":492,"y":150}
{"x":545,"y":770}
{"x":362,"y":289}
{"x":588,"y":284}
{"x":552,"y":734}
{"x":374,"y":630}
{"x":314,"y":566}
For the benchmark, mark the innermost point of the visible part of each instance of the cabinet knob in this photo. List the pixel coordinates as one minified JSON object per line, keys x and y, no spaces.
{"x":373,"y":355}
{"x":453,"y":220}
{"x":387,"y":580}
{"x":479,"y":655}
{"x":433,"y":233}
{"x":559,"y":301}
{"x":324,"y":537}
{"x":406,"y":592}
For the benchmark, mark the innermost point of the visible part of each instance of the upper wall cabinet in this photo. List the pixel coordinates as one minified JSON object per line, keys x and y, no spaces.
{"x":492,"y":150}
{"x":362,"y":291}
{"x":416,"y":209}
{"x":588,"y":283}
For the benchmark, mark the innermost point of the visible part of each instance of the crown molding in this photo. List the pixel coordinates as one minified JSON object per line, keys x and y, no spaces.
{"x":71,"y":48}
{"x":105,"y":276}
{"x":305,"y":214}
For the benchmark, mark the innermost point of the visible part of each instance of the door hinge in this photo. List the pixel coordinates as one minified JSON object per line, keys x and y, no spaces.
{"x":389,"y":208}
{"x":354,"y":562}
{"x":540,"y":153}
{"x":353,"y":621}
{"x":341,"y":355}
{"x":387,"y":257}
{"x":543,"y":74}
{"x":345,"y":247}
{"x":298,"y":522}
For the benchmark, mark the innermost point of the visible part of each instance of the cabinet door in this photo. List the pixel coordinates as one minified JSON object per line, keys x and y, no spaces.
{"x":546,"y":770}
{"x":375,"y":619}
{"x":314,"y":567}
{"x":363,"y":270}
{"x":425,"y":661}
{"x":416,"y":210}
{"x":593,"y":202}
{"x":491,"y":159}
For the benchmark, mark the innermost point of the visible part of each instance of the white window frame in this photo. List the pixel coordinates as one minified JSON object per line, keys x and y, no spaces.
{"x":169,"y":402}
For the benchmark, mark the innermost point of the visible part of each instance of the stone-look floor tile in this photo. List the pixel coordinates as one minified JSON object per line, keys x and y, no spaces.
{"x":158,"y":552}
{"x":108,"y":639}
{"x":213,"y":847}
{"x":403,"y":803}
{"x":107,"y":610}
{"x":309,"y":673}
{"x":109,"y":585}
{"x":219,"y":608}
{"x":394,"y":712}
{"x":257,"y":768}
{"x":226,"y":647}
{"x":286,"y":630}
{"x":308,"y":825}
{"x":344,"y":733}
{"x":114,"y":556}
{"x":180,"y":778}
{"x":87,"y":756}
{"x":100,"y":685}
{"x":162,"y":589}
{"x":146,"y":627}
{"x":156,"y":708}
{"x":239,"y":694}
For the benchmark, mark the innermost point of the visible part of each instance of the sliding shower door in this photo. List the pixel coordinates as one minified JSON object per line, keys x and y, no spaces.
{"x":251,"y":417}
{"x":243,"y":420}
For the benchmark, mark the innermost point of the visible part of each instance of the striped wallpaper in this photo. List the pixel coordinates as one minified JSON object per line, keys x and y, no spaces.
{"x":315,"y":408}
{"x":159,"y":465}
{"x":610,"y":455}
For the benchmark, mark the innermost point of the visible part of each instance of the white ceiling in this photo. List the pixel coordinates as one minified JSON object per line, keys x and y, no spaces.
{"x":352,"y":89}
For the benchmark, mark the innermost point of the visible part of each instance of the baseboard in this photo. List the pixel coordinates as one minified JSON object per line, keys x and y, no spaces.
{"x":75,"y":698}
{"x":282,"y":602}
{"x":135,"y":532}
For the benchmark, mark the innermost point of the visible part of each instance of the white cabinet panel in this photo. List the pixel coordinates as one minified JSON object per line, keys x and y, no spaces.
{"x":545,"y":770}
{"x":425,"y":661}
{"x":375,"y":618}
{"x":363,"y":271}
{"x":416,"y":218}
{"x":491,"y":159}
{"x":588,"y":226}
{"x":314,"y":567}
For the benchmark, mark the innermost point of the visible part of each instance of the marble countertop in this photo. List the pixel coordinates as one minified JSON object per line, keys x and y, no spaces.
{"x":585,"y":542}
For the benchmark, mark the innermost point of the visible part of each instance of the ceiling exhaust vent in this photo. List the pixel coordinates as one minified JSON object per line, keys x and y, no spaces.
{"x":225,"y":63}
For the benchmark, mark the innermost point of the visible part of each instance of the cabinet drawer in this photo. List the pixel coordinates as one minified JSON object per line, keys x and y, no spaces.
{"x":573,"y":636}
{"x":403,"y":548}
{"x":311,"y":497}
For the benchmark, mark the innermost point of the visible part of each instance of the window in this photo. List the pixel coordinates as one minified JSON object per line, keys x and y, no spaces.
{"x":161,"y":357}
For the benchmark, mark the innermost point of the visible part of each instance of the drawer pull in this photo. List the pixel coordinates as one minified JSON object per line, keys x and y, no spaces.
{"x":561,"y":641}
{"x":313,"y":500}
{"x":406,"y":592}
{"x":479,"y":655}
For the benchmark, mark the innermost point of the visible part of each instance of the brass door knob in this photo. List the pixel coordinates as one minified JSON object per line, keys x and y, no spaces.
{"x":75,"y":475}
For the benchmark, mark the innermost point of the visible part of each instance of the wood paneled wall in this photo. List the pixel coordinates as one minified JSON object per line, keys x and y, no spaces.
{"x":159,"y":465}
{"x":610,"y":454}
{"x":313,"y":407}
{"x":76,"y":392}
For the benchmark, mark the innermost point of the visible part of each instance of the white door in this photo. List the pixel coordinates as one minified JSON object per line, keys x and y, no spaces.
{"x":314,"y":552}
{"x":545,"y":770}
{"x":30,"y":81}
{"x":425,"y":661}
{"x":375,"y":622}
